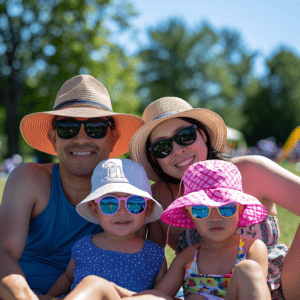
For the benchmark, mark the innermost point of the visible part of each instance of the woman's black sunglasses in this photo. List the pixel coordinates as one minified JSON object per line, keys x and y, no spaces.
{"x":184,"y":137}
{"x":95,"y":128}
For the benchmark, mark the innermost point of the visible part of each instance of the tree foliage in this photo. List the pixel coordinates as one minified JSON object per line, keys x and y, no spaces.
{"x":43,"y":43}
{"x":207,"y":68}
{"x":274,"y":110}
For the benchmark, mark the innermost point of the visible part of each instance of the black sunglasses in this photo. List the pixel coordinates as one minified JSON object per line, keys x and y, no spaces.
{"x":184,"y":137}
{"x":94,"y":128}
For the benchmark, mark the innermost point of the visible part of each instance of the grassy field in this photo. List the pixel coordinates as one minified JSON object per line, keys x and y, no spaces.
{"x":288,"y":221}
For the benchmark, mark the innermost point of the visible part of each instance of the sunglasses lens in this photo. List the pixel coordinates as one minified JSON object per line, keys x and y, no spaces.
{"x":109,"y":205}
{"x":186,"y":136}
{"x":96,"y":130}
{"x":67,"y":130}
{"x":136,"y":204}
{"x":200,"y":211}
{"x":228,"y":210}
{"x":161,"y":149}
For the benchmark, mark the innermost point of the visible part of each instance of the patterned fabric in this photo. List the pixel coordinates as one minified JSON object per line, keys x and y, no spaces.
{"x":268,"y":231}
{"x":133,"y":271}
{"x":213,"y":183}
{"x":207,"y":284}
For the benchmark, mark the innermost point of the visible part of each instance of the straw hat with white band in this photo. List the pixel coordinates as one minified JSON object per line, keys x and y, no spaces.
{"x":82,"y":96}
{"x":168,"y":108}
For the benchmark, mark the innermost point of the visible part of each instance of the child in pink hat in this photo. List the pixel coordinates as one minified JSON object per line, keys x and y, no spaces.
{"x":223,"y":265}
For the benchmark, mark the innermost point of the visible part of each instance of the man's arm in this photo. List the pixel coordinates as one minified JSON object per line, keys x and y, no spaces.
{"x":19,"y":204}
{"x":63,"y":284}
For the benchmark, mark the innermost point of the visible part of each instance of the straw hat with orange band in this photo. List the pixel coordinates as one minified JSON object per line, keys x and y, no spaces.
{"x":82,"y":96}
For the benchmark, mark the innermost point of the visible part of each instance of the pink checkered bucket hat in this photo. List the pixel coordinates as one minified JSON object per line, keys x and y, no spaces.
{"x":213,"y":183}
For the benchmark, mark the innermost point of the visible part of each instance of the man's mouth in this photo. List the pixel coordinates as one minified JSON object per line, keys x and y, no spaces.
{"x":81,"y":153}
{"x":185,"y":162}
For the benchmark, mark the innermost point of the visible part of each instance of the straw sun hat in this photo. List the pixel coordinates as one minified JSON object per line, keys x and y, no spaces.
{"x":168,"y":108}
{"x":82,"y":96}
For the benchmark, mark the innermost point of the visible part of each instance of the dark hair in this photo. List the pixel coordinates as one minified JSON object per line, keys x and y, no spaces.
{"x":211,"y":153}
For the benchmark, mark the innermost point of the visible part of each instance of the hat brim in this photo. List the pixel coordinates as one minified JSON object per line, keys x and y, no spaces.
{"x":213,"y":122}
{"x":35,"y":127}
{"x":84,"y":211}
{"x":253,"y":212}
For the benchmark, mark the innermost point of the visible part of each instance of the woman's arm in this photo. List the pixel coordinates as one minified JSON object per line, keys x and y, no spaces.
{"x":63,"y":284}
{"x":269,"y":182}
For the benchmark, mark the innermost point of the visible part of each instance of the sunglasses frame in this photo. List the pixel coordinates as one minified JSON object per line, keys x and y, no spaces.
{"x":173,"y":138}
{"x":119,"y":203}
{"x":106,"y":122}
{"x":238,"y":210}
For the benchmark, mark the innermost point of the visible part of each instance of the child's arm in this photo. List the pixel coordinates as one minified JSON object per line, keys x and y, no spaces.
{"x":173,"y":280}
{"x":64,"y":282}
{"x":161,"y":273}
{"x":257,"y":251}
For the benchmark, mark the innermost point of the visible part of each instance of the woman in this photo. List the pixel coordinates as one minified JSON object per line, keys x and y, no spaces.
{"x":176,"y":136}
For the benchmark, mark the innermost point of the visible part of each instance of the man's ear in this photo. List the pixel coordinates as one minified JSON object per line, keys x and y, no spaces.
{"x":52,"y":137}
{"x":149,"y":208}
{"x":93,"y":208}
{"x":113,"y":137}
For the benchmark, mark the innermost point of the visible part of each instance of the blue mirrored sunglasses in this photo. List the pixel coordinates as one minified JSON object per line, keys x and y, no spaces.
{"x":202,"y":212}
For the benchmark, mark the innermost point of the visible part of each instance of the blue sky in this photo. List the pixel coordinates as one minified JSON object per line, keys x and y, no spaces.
{"x":264,"y":25}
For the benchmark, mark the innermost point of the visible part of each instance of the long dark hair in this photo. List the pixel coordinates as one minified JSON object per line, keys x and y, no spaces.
{"x":211,"y":153}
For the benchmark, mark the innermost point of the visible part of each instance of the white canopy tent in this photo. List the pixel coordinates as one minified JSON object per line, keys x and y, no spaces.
{"x":234,"y":135}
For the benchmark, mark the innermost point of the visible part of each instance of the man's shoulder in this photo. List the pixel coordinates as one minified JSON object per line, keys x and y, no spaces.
{"x":32,"y":171}
{"x":30,"y":178}
{"x":28,"y":189}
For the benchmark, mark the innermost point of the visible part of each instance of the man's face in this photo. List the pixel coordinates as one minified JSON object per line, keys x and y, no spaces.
{"x":81,"y":154}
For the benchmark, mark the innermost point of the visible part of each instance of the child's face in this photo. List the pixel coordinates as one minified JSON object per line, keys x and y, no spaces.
{"x":122,"y":223}
{"x":215,"y":227}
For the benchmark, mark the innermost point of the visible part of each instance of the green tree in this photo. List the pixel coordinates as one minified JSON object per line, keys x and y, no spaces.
{"x":44,"y":43}
{"x":274,"y":109}
{"x":207,"y":68}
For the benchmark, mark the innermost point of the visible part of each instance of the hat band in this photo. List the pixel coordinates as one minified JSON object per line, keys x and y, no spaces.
{"x":166,"y":114}
{"x":77,"y":102}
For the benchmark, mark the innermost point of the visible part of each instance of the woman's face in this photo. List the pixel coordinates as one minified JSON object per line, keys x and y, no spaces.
{"x":181,"y":157}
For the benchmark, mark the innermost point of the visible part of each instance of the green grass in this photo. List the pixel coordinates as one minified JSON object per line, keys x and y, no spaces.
{"x":288,"y":221}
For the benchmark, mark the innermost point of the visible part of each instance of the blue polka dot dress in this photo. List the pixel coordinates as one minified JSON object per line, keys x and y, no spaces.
{"x":133,"y":271}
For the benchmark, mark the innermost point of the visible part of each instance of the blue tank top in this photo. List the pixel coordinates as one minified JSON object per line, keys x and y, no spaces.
{"x":50,"y":238}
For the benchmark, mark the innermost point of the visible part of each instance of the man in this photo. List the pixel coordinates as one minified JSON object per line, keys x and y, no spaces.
{"x":39,"y":223}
